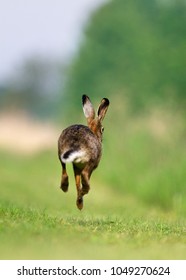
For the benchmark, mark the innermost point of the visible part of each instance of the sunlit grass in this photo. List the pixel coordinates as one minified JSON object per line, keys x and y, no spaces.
{"x":27,"y":233}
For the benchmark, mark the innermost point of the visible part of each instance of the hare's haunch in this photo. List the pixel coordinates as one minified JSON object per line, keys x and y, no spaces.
{"x":82,"y":145}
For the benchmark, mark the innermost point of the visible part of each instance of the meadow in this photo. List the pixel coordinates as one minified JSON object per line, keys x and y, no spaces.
{"x":135,"y":208}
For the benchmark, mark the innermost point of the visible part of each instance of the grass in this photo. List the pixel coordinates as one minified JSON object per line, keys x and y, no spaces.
{"x":35,"y":234}
{"x":38,"y":221}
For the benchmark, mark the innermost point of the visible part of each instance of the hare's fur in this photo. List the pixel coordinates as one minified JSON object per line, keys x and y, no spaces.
{"x":82,"y":145}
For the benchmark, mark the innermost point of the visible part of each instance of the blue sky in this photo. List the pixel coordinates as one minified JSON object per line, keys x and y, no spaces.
{"x":51,"y":28}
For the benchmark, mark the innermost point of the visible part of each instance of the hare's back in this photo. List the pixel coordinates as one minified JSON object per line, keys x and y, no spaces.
{"x":78,"y":137}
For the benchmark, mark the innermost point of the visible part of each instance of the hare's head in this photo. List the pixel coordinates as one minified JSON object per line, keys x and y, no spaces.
{"x":95,"y":121}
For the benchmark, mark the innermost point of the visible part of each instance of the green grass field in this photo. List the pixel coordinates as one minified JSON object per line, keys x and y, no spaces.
{"x":39,"y":221}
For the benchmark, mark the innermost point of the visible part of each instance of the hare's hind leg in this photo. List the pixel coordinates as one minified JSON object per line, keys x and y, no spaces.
{"x":64,"y":178}
{"x":77,"y":174}
{"x":85,"y":176}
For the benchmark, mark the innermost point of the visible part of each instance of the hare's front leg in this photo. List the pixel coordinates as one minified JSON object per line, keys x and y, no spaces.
{"x":77,"y":174}
{"x":64,"y":178}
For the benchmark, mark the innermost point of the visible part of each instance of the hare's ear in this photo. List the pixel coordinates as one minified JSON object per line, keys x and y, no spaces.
{"x":103,"y":108}
{"x":88,"y":108}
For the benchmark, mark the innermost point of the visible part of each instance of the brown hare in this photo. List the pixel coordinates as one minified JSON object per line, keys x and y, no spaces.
{"x":82,"y":145}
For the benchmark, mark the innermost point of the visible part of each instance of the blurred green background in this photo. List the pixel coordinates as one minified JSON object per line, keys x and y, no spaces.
{"x":133,"y":52}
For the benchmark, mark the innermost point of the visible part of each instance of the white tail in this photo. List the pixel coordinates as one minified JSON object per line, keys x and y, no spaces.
{"x":74,"y":156}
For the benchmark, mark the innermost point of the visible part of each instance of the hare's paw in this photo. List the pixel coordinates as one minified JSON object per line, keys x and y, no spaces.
{"x":64,"y":183}
{"x":79,"y":203}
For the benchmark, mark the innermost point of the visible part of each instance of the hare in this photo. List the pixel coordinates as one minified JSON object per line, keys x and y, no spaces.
{"x":82,"y":145}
